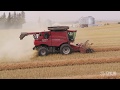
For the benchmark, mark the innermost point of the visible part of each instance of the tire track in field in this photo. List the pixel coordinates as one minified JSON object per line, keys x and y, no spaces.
{"x":38,"y":64}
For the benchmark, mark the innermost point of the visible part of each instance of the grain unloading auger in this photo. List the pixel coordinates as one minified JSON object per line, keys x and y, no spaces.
{"x":57,"y":40}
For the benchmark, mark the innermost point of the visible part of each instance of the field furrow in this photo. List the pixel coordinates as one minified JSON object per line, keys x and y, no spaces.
{"x":37,"y":64}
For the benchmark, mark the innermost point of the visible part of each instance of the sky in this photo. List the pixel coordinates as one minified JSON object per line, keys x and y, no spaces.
{"x":59,"y":16}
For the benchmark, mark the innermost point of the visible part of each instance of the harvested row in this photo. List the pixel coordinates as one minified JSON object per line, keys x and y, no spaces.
{"x":37,"y":64}
{"x":102,"y":49}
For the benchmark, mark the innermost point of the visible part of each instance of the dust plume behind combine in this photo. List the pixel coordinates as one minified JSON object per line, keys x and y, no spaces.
{"x":14,"y":49}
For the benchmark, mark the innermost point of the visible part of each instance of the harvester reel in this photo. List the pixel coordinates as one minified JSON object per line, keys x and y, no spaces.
{"x":86,"y":47}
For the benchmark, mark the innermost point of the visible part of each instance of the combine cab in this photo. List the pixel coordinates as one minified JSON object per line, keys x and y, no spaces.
{"x":59,"y":39}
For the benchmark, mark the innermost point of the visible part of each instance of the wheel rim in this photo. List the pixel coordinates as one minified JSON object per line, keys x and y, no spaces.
{"x":43,"y":52}
{"x":66,"y":50}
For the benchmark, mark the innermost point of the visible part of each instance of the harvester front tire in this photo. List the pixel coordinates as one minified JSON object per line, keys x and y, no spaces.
{"x":65,"y":49}
{"x":43,"y":51}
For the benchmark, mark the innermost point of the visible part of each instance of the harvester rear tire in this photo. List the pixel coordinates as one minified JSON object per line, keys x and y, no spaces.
{"x":43,"y":51}
{"x":65,"y":49}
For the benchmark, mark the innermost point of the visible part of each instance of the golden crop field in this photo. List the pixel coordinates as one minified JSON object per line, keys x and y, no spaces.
{"x":88,"y":71}
{"x":18,"y":57}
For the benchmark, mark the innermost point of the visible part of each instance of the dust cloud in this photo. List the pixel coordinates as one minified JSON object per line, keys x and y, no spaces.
{"x":14,"y":49}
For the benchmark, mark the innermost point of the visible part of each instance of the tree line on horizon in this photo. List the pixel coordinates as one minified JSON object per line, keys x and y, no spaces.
{"x":12,"y":21}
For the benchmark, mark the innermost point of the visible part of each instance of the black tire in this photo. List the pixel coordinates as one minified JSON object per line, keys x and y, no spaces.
{"x":65,"y":49}
{"x":89,"y":50}
{"x":43,"y":51}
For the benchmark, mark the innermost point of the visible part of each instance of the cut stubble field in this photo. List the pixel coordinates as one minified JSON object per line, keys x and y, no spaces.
{"x":106,"y":43}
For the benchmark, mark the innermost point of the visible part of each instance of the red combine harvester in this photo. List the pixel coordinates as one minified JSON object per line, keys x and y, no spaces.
{"x":59,"y":39}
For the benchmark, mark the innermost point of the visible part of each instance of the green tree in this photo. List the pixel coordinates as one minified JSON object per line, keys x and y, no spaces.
{"x":19,"y":20}
{"x":3,"y":18}
{"x":9,"y":21}
{"x":23,"y":17}
{"x":4,"y":15}
{"x":15,"y":20}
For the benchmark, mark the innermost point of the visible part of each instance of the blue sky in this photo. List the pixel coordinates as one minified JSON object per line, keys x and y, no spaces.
{"x":33,"y":16}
